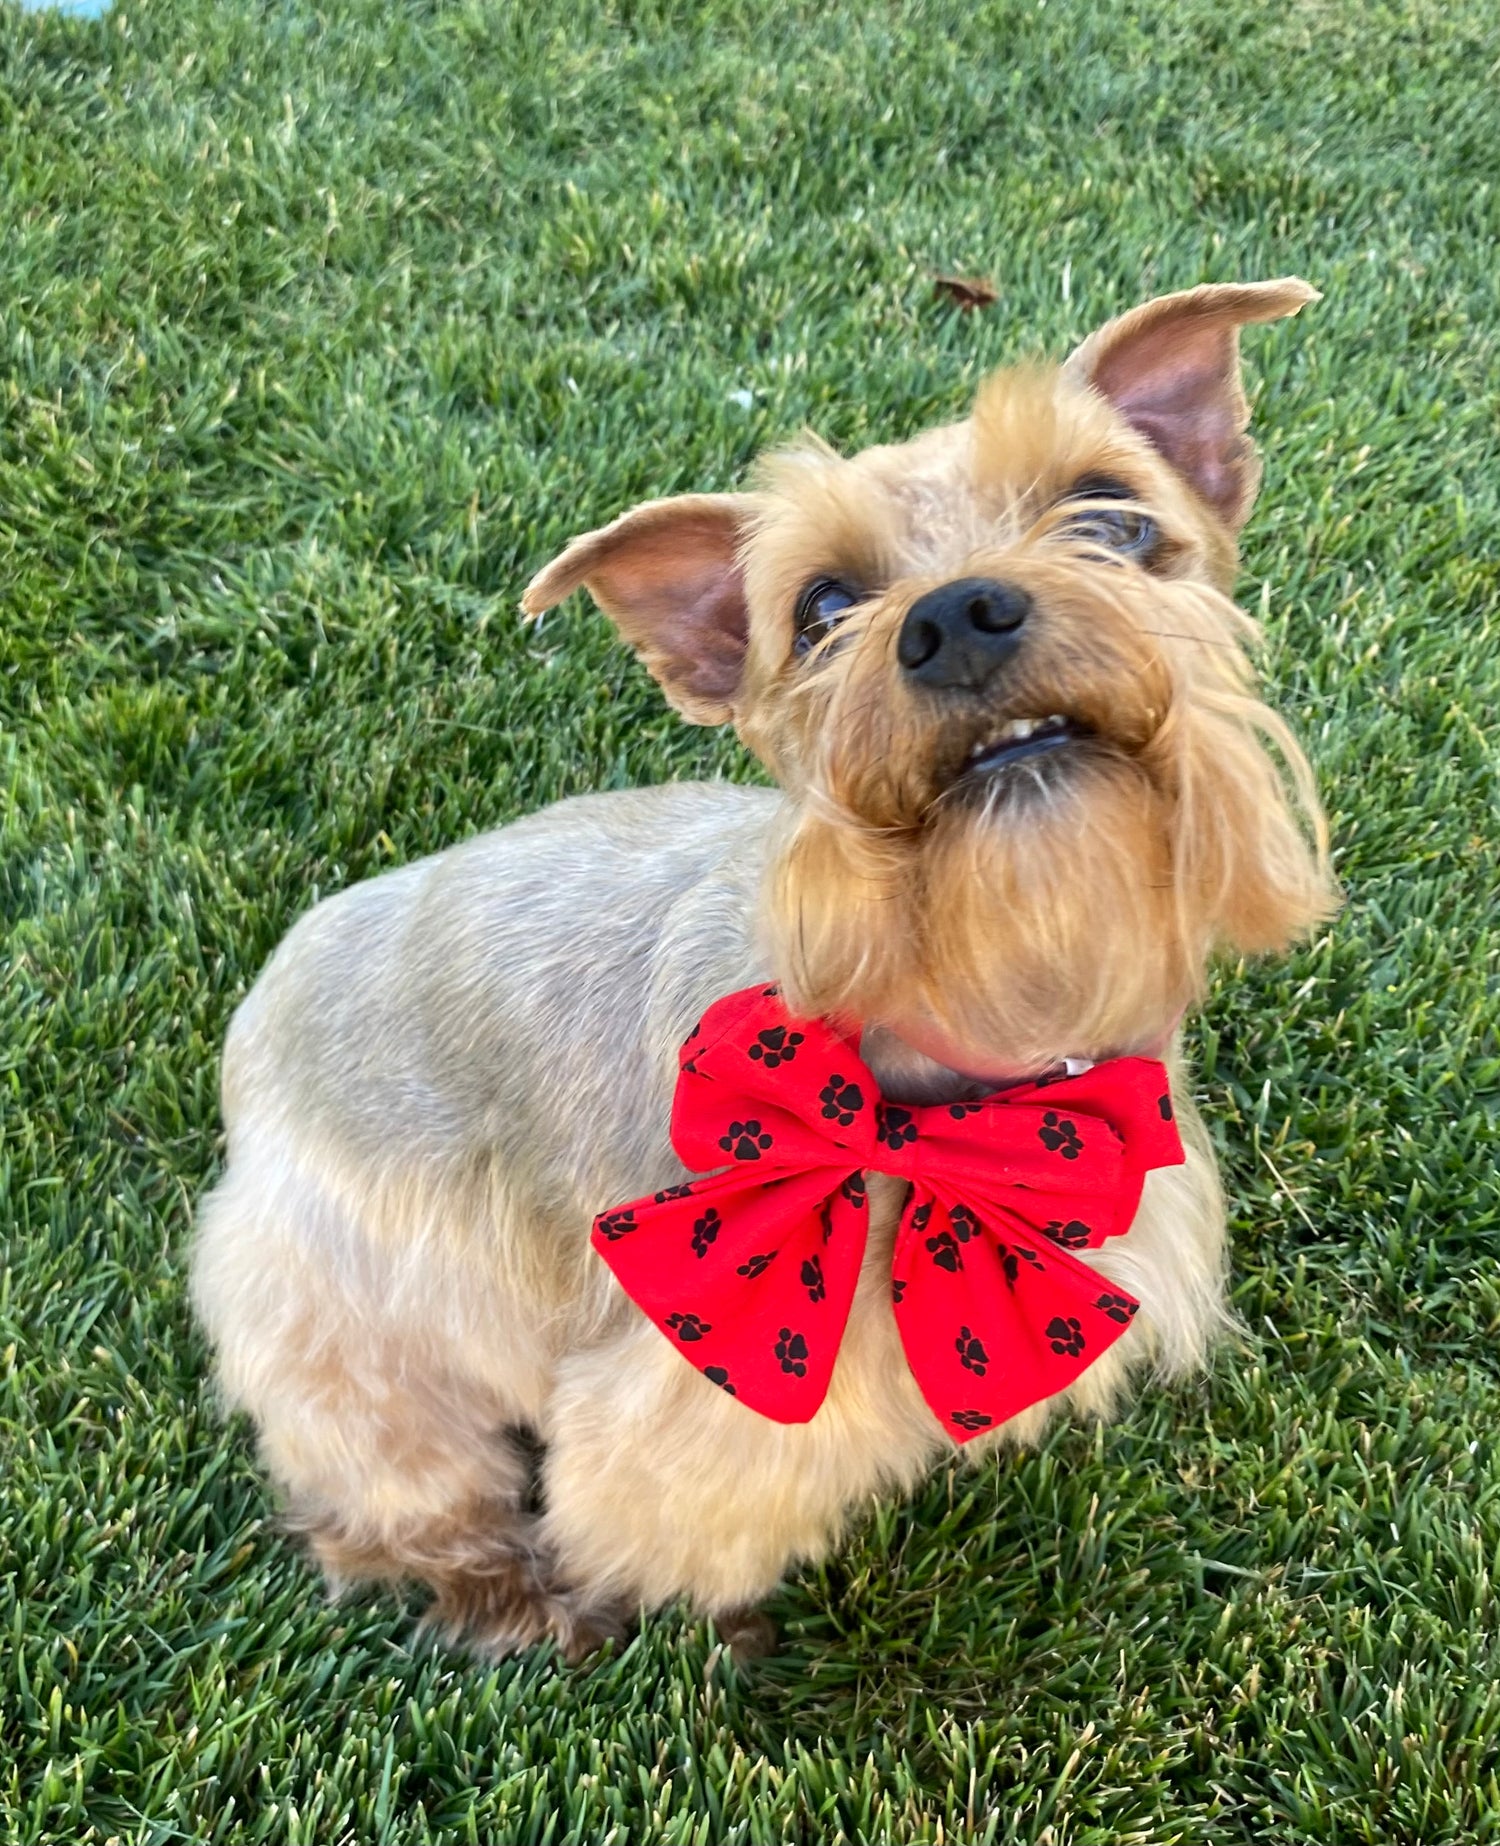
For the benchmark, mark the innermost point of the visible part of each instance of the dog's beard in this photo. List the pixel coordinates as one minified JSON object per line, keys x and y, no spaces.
{"x":1035,"y":920}
{"x":1066,"y":900}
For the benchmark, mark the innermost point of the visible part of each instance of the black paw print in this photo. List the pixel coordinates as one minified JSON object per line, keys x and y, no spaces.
{"x":841,"y":1101}
{"x":1072,"y":1235}
{"x":971,"y":1354}
{"x":825,"y":1218}
{"x":705,"y":1231}
{"x":1059,"y":1136}
{"x":1010,"y":1263}
{"x":715,"y":1374}
{"x":965,"y":1223}
{"x":754,"y":1266}
{"x":945,"y":1252}
{"x":921,"y":1216}
{"x":1119,"y":1308}
{"x":791,"y":1350}
{"x":617,"y":1224}
{"x":898,"y":1289}
{"x":853,"y":1189}
{"x":895,"y":1126}
{"x":775,"y":1046}
{"x":773,"y":992}
{"x":969,"y":1419}
{"x":812,"y":1279}
{"x":1066,"y":1335}
{"x":672,"y":1192}
{"x":958,"y":1110}
{"x":1029,"y":1257}
{"x":1164,"y":1105}
{"x":745,"y":1140}
{"x":688,"y":1326}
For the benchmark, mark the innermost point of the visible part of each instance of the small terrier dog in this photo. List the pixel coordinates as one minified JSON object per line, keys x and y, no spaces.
{"x":1025,"y":789}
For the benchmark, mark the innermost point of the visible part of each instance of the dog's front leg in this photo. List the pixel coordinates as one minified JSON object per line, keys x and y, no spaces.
{"x":659,"y":1486}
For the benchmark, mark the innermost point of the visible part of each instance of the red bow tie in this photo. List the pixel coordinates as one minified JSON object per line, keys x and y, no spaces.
{"x":751,"y":1271}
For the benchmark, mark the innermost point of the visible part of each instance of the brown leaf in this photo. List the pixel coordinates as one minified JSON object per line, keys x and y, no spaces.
{"x":965,"y":292}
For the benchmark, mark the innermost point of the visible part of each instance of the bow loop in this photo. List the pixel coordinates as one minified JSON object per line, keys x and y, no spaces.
{"x":760,"y":1088}
{"x":751,"y":1270}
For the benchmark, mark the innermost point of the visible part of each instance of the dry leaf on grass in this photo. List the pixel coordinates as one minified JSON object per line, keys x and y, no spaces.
{"x":965,"y":292}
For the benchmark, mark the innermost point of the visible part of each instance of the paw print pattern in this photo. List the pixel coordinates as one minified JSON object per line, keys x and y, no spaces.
{"x":895,"y":1126}
{"x":617,"y":1224}
{"x":945,"y":1252}
{"x":754,"y":1266}
{"x":1029,"y":1257}
{"x":971,"y":1354}
{"x":921,"y":1216}
{"x":1066,"y":1335}
{"x":688,"y":1326}
{"x":1060,"y":1136}
{"x":969,"y":1419}
{"x":958,"y":1110}
{"x":1164,"y":1106}
{"x":745,"y":1140}
{"x":825,"y":1218}
{"x":1073,"y":1234}
{"x":791,"y":1352}
{"x":853,"y":1189}
{"x":898,"y":1289}
{"x":812,"y":1279}
{"x":1010,"y":1263}
{"x":775,"y":1046}
{"x":965,"y":1223}
{"x":672,"y":1192}
{"x":716,"y":1374}
{"x":706,"y":1231}
{"x":1119,"y":1308}
{"x":841,"y":1101}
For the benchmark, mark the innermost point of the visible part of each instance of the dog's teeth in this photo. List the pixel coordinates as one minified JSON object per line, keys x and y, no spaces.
{"x":1015,"y":731}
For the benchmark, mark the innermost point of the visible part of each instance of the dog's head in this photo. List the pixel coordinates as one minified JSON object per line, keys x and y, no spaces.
{"x":998,"y":672}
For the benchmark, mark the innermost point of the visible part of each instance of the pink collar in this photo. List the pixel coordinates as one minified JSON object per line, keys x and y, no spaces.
{"x":932,"y":1044}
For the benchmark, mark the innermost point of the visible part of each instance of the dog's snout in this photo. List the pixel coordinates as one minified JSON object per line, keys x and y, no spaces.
{"x":959,"y":634}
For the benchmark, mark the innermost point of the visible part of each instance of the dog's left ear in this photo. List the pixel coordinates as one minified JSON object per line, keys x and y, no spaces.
{"x":1172,"y":370}
{"x":668,"y":575}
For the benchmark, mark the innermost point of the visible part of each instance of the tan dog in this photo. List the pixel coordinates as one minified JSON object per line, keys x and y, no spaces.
{"x":1024,"y":792}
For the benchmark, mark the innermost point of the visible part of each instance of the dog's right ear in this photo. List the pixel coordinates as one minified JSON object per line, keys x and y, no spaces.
{"x":668,"y":575}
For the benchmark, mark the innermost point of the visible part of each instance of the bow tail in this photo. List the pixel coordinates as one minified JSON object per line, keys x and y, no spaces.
{"x":995,"y":1324}
{"x":750,"y":1279}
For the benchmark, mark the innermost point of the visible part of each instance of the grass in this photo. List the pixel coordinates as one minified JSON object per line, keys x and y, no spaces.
{"x":319,"y":330}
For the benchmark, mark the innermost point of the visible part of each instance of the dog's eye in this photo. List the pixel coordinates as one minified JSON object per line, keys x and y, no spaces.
{"x":820,"y":608}
{"x":1124,"y":529}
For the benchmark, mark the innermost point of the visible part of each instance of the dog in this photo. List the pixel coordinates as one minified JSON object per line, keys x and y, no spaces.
{"x":1025,"y":790}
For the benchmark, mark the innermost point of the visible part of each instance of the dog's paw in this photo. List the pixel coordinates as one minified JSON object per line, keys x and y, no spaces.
{"x":509,"y":1607}
{"x":748,"y":1634}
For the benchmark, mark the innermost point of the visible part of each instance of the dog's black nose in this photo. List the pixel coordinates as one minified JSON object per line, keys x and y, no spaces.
{"x":959,"y":634}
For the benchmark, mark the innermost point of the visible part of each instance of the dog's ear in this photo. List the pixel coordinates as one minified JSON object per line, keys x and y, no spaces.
{"x":1172,"y":370}
{"x":668,"y":575}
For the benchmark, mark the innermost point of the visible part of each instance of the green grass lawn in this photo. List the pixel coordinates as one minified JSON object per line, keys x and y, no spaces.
{"x":320,"y":329}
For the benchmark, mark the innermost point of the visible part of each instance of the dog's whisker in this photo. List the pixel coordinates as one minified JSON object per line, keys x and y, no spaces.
{"x":1169,"y":634}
